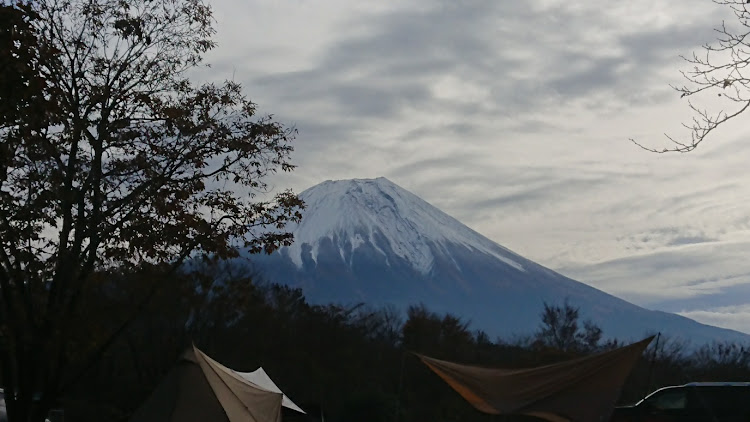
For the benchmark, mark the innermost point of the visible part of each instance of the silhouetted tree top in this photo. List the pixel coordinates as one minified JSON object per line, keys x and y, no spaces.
{"x":561,"y":329}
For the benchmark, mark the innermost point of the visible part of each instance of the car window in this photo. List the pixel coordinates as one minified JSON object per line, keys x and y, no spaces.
{"x":668,"y":400}
{"x":724,"y":398}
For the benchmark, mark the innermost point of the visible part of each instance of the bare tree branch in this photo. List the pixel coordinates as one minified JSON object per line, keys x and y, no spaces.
{"x":718,"y":70}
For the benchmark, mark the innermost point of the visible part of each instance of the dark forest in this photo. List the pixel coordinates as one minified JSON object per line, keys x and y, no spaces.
{"x":342,"y":361}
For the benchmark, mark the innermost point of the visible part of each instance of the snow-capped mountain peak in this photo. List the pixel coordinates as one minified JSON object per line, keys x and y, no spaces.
{"x":351,"y":213}
{"x":371,"y":241}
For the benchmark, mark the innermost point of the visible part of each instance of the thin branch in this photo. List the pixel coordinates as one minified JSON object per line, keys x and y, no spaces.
{"x":708,"y":75}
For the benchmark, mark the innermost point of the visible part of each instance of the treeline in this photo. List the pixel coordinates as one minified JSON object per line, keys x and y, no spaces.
{"x":351,"y":362}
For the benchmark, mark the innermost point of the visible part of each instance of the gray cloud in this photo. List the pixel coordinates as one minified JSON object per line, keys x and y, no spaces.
{"x":525,"y":63}
{"x":676,"y":279}
{"x":736,"y":317}
{"x":389,"y":66}
{"x":667,"y":236}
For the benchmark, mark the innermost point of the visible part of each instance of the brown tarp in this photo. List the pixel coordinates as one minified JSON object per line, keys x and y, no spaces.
{"x":579,"y":390}
{"x":199,"y":389}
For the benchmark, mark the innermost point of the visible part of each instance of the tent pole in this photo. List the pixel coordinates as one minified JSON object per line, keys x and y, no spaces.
{"x":400,"y":385}
{"x":651,"y":367}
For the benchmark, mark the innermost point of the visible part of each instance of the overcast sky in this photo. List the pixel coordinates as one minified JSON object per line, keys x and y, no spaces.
{"x":514,"y":117}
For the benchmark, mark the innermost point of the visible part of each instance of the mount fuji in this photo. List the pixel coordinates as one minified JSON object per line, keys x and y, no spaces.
{"x":369,"y":240}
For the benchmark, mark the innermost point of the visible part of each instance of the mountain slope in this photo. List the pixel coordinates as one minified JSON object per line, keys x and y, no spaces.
{"x":370,"y":240}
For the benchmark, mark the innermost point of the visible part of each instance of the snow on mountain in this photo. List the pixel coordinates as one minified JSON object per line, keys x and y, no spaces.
{"x":369,"y":240}
{"x":355,"y":211}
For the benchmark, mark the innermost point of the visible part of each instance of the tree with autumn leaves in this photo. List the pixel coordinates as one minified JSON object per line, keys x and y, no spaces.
{"x":113,"y":162}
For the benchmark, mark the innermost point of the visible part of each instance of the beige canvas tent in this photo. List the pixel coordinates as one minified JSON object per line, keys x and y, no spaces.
{"x":260,"y":378}
{"x":199,"y":389}
{"x":578,"y":390}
